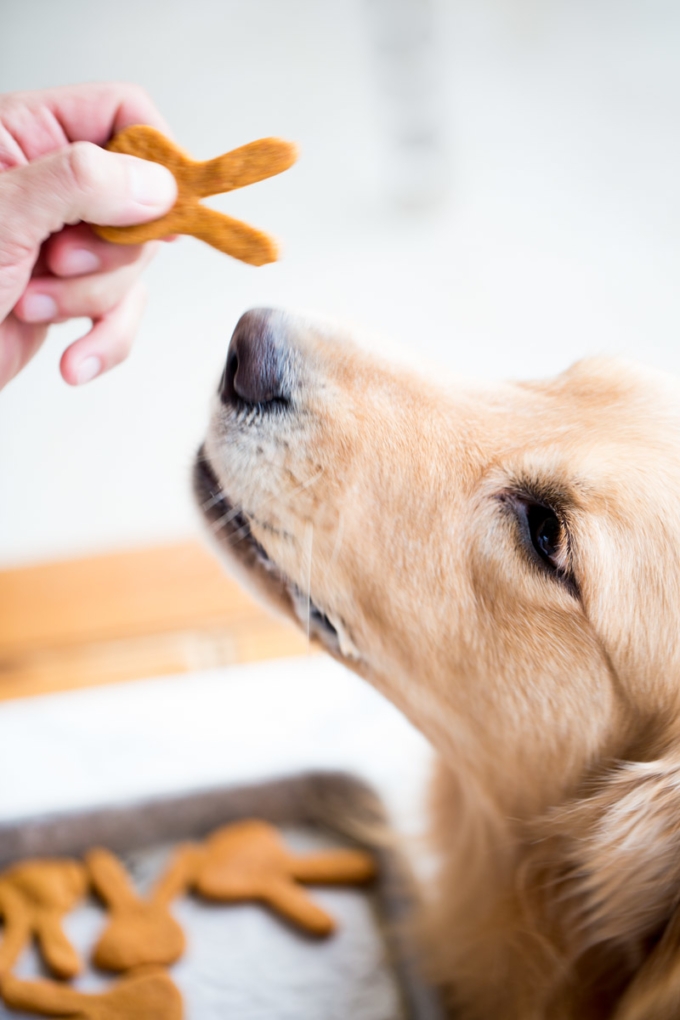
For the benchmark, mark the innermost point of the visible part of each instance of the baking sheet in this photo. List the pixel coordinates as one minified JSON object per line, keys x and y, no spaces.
{"x":242,"y":960}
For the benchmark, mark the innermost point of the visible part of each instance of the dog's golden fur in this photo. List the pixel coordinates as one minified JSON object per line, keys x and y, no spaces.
{"x":551,"y":692}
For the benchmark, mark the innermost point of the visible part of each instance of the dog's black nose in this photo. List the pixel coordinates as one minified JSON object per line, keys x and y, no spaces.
{"x":254,"y":372}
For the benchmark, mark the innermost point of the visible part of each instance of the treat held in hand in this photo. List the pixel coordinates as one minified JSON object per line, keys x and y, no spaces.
{"x":195,"y":180}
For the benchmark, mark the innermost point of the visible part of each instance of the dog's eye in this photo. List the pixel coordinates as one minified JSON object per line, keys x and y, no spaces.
{"x":544,"y":535}
{"x":545,"y":532}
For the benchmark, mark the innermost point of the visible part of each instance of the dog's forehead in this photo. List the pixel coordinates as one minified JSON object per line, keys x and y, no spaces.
{"x":607,"y":389}
{"x":606,"y":434}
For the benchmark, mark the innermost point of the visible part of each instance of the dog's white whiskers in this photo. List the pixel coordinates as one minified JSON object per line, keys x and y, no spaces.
{"x":297,"y":490}
{"x":238,"y":536}
{"x":229,"y":516}
{"x":224,"y":519}
{"x":310,"y":481}
{"x":218,"y":497}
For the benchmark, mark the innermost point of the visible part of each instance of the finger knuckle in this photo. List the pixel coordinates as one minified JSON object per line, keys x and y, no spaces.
{"x":135,"y":91}
{"x":9,"y":105}
{"x":130,"y":94}
{"x":93,"y":299}
{"x":82,"y":162}
{"x":100,"y":301}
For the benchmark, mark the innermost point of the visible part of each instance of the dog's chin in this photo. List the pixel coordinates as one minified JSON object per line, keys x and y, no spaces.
{"x":230,"y":527}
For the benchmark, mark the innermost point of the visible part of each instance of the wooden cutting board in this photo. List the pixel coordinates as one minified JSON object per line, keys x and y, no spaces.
{"x":122,"y":616}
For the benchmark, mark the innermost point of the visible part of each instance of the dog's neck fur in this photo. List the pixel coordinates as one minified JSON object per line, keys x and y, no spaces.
{"x":558,"y":906}
{"x":491,"y":923}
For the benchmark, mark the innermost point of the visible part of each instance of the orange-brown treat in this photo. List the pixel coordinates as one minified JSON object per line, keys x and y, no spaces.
{"x":249,"y":861}
{"x":180,"y":872}
{"x":235,"y":169}
{"x":34,"y":896}
{"x":17,"y":926}
{"x":139,"y":931}
{"x":146,"y":995}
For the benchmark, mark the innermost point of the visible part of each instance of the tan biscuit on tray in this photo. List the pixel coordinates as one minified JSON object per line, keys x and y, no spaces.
{"x":146,"y":995}
{"x":249,"y":861}
{"x":139,"y":931}
{"x":236,"y":169}
{"x":34,"y":896}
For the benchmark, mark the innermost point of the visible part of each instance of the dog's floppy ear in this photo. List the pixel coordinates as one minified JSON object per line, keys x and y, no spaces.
{"x":606,"y":868}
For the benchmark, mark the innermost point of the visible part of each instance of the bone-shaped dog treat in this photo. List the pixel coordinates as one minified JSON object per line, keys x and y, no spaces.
{"x":146,"y":995}
{"x":235,"y":169}
{"x":34,"y":896}
{"x":140,"y":931}
{"x":249,"y":861}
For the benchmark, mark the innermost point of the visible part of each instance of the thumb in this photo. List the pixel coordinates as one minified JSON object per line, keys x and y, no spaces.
{"x":78,"y":182}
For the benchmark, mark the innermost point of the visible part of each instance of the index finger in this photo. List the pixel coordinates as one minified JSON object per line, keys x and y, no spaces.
{"x":43,"y":121}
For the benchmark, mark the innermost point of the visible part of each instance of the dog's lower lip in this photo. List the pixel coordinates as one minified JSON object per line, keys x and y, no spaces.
{"x":217,"y":507}
{"x":223,"y":515}
{"x":221,"y":511}
{"x":205,"y":481}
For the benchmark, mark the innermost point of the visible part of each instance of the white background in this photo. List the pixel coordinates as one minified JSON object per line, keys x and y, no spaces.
{"x":554,"y":231}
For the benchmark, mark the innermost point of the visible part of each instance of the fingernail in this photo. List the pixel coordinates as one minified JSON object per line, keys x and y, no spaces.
{"x":39,"y":308}
{"x":152,"y":185}
{"x":79,"y":261}
{"x":88,"y":369}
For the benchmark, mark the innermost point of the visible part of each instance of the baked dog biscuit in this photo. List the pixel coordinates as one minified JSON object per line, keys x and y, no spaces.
{"x":17,"y":926}
{"x":139,"y":931}
{"x":34,"y":896}
{"x":249,"y":861}
{"x":236,"y":169}
{"x":146,"y":995}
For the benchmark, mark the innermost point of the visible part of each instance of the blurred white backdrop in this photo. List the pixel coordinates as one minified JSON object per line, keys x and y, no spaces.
{"x":492,"y":182}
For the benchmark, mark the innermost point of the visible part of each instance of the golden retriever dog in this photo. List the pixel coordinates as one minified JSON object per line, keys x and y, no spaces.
{"x":503,"y":563}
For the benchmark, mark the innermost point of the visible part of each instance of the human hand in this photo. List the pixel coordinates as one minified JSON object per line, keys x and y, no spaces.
{"x":53,"y":175}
